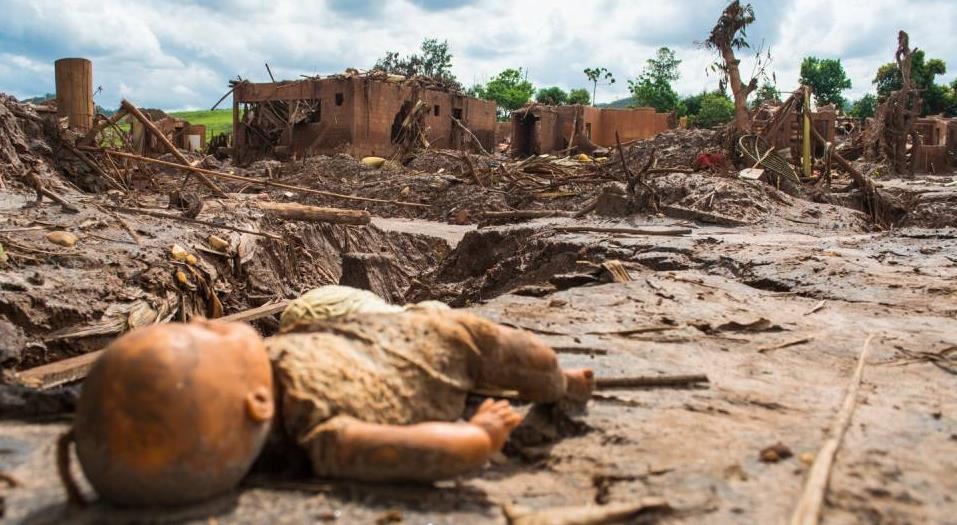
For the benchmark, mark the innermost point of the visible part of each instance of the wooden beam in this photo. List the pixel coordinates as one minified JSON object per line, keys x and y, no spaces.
{"x":148,"y":124}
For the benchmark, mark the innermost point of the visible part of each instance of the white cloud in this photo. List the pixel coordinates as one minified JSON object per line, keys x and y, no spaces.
{"x":177,"y":54}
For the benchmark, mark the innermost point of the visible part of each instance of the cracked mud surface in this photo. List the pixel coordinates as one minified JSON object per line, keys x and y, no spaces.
{"x":776,"y":318}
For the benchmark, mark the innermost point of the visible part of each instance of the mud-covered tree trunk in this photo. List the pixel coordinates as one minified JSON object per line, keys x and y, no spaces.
{"x":727,"y":35}
{"x":740,"y":91}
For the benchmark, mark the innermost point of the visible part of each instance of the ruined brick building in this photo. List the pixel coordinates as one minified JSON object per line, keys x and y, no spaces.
{"x":539,"y":129}
{"x":355,"y":114}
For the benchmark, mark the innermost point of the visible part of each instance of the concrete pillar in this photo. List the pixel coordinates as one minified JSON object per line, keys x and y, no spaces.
{"x":74,"y":91}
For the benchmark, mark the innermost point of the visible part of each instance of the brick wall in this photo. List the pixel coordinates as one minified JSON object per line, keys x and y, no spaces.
{"x":357,"y":115}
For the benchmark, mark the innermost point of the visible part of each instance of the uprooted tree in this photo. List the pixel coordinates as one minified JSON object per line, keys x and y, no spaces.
{"x":728,"y":35}
{"x":886,"y":139}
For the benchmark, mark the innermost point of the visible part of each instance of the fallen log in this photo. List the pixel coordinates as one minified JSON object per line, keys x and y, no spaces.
{"x":294,"y":211}
{"x":266,"y":183}
{"x":148,"y":124}
{"x":474,"y":138}
{"x":75,"y":368}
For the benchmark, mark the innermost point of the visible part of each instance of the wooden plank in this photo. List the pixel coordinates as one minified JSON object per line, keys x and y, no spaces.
{"x":75,"y":368}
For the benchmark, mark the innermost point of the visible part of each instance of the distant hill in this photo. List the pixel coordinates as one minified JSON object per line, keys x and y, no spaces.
{"x":620,"y":103}
{"x":43,"y":98}
{"x":39,"y":99}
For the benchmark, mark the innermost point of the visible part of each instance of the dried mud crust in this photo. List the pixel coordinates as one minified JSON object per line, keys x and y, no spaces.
{"x":57,"y":301}
{"x":778,"y":366}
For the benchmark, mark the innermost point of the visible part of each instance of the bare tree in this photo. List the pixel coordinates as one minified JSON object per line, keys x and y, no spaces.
{"x":728,"y":35}
{"x":886,"y":138}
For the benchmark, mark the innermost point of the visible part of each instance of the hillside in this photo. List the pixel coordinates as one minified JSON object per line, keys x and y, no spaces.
{"x":620,"y":103}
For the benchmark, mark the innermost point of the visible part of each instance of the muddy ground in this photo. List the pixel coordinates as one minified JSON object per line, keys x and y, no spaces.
{"x":775,"y":310}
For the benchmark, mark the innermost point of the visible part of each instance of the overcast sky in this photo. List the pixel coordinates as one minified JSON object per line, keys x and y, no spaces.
{"x":178,"y":54}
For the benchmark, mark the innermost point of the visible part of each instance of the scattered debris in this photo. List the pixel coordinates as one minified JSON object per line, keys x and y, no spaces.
{"x":775,"y":453}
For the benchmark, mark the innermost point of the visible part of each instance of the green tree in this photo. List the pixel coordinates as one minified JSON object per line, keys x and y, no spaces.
{"x":827,"y":79}
{"x":768,"y":92}
{"x":579,"y":96}
{"x":653,"y":86}
{"x":508,"y":89}
{"x":690,"y":106}
{"x":923,"y":71}
{"x":596,"y":75}
{"x":716,"y":108}
{"x":864,"y":107}
{"x":937,"y":99}
{"x":435,"y":61}
{"x":552,"y":96}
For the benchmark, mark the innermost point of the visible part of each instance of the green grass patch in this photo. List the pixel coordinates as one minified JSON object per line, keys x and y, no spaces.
{"x":216,"y":122}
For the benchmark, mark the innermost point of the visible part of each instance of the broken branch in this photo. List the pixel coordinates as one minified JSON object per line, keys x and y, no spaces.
{"x":608,"y":383}
{"x":267,"y":183}
{"x":808,"y":511}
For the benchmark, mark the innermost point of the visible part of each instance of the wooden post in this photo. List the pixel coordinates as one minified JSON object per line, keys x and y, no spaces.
{"x":238,"y":142}
{"x":74,"y":91}
{"x":806,"y":144}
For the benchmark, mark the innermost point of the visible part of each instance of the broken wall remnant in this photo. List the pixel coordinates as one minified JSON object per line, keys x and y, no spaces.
{"x":787,"y":134}
{"x":935,"y":142}
{"x":179,"y":132}
{"x":355,"y":114}
{"x":74,"y":92}
{"x":539,"y":129}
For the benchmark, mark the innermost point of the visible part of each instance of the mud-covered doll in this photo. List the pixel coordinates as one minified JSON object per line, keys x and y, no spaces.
{"x":174,"y":414}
